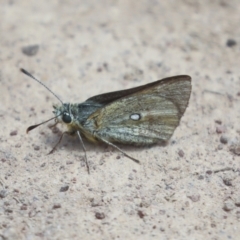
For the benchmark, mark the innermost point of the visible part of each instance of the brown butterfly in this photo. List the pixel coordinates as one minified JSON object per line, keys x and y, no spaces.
{"x":138,"y":116}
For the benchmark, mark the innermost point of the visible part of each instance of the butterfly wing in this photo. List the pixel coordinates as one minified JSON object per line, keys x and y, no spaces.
{"x":141,"y":115}
{"x":109,"y":97}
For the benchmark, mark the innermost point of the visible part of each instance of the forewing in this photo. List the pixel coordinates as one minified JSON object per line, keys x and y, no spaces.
{"x":149,"y":114}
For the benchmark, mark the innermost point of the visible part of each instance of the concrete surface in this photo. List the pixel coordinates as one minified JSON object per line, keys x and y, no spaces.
{"x":189,"y":189}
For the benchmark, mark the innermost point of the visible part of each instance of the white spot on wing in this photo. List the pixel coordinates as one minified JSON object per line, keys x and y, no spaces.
{"x":135,"y":117}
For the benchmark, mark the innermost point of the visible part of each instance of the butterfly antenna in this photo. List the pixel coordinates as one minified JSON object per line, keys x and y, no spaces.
{"x":31,"y":76}
{"x":35,"y":126}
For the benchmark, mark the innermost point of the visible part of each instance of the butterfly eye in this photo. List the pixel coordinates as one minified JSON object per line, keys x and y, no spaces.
{"x":66,"y":117}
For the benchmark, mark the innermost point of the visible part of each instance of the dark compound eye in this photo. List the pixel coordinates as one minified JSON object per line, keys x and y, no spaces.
{"x":66,"y":117}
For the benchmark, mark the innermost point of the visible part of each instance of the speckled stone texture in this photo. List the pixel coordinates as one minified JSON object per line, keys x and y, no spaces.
{"x":189,"y":189}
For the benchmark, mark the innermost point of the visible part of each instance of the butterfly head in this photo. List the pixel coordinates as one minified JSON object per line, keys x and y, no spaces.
{"x":63,"y":113}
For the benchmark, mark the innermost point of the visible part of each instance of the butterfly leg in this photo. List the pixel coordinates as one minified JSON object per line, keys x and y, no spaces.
{"x":120,"y":150}
{"x":54,"y":125}
{"x":60,"y":139}
{"x":84,"y":149}
{"x":71,"y":133}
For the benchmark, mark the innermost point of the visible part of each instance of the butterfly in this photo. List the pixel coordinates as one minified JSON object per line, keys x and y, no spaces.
{"x":138,"y":116}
